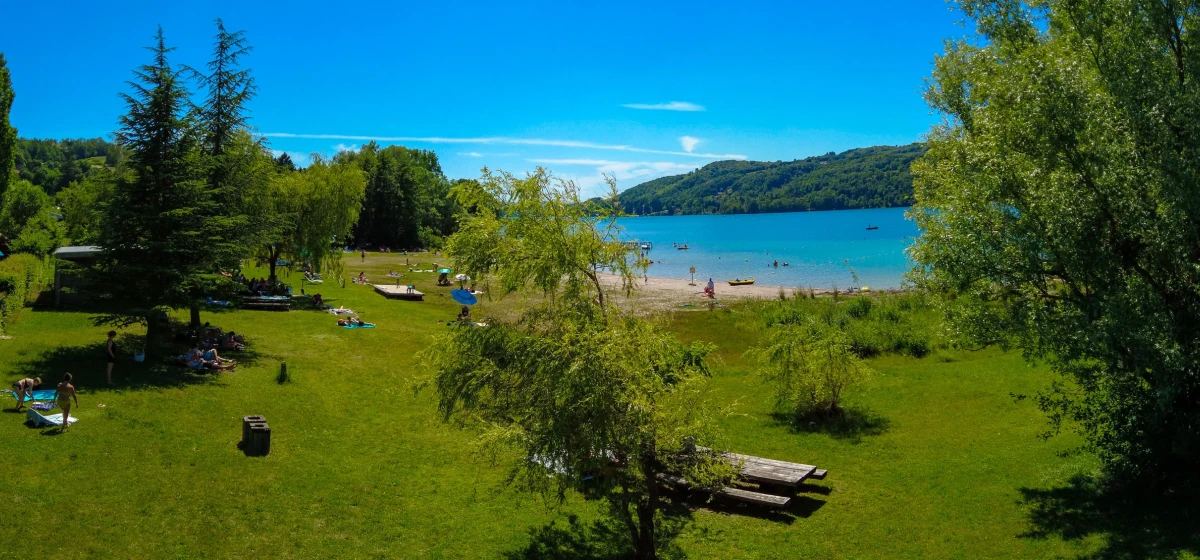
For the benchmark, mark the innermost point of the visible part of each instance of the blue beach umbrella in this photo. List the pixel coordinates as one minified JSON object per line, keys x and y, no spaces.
{"x":464,"y":297}
{"x":444,"y":271}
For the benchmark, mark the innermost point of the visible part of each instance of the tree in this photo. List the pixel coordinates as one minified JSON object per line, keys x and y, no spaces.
{"x":407,"y":202}
{"x":1060,"y":209}
{"x":26,"y":221}
{"x":809,"y":368}
{"x":8,"y":134}
{"x":81,"y":205}
{"x":311,"y":213}
{"x":164,"y":239}
{"x":284,"y":162}
{"x":591,"y":398}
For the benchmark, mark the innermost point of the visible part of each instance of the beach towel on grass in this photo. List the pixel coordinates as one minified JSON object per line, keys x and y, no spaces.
{"x":52,"y":420}
{"x":358,"y":327}
{"x":38,"y":395}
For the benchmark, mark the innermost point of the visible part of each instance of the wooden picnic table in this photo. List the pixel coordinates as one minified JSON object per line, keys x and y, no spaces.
{"x":767,"y":473}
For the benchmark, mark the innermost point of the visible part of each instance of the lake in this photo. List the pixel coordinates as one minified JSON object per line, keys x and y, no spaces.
{"x":822,"y":249}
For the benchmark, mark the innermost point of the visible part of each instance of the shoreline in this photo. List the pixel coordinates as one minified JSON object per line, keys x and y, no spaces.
{"x":680,"y":289}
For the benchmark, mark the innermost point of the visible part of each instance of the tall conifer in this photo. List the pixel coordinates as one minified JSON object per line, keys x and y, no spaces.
{"x":8,"y":134}
{"x":163,"y":231}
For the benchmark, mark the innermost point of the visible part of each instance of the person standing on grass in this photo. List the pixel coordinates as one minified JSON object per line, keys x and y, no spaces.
{"x":63,"y":395}
{"x":25,"y":387}
{"x":364,"y":255}
{"x":110,"y":352}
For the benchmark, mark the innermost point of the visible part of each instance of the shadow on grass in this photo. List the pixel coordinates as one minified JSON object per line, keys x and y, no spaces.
{"x":1132,"y":526}
{"x":852,"y":424}
{"x":87,"y":366}
{"x":604,"y":539}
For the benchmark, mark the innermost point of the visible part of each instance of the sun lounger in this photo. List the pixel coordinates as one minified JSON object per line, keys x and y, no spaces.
{"x":52,"y":420}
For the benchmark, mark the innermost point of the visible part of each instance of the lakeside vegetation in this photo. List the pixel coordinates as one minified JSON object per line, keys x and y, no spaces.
{"x":1055,"y":285}
{"x":937,"y":450}
{"x":876,"y":177}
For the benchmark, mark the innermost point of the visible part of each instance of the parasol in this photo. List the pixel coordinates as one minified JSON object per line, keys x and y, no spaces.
{"x":444,"y":271}
{"x":464,"y":297}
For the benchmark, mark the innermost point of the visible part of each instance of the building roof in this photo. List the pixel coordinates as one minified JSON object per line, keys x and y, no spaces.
{"x":77,"y":252}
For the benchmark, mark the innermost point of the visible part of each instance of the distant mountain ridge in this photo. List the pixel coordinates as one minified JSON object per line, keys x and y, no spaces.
{"x":875,"y":177}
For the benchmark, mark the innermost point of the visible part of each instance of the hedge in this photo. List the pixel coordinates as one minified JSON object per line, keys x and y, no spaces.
{"x":22,"y":279}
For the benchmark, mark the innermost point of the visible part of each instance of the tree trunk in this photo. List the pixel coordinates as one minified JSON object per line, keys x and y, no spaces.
{"x":274,"y":259}
{"x":644,"y":546}
{"x":195,"y":313}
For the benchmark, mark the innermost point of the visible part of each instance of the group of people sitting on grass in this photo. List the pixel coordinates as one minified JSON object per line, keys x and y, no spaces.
{"x":262,"y":287}
{"x":198,"y":359}
{"x":204,"y":352}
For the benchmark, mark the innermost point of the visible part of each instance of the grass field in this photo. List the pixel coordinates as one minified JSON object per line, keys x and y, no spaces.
{"x":939,"y":462}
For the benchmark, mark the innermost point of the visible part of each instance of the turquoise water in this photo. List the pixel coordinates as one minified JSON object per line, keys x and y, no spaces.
{"x":821,"y":248}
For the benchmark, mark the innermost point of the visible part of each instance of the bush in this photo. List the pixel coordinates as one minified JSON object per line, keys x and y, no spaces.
{"x":22,"y":279}
{"x":905,"y":324}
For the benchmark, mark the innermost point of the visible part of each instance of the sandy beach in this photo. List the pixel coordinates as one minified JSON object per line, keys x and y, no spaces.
{"x":673,"y":291}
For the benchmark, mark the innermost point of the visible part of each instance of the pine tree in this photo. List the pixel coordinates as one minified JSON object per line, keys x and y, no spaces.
{"x":163,"y":231}
{"x":8,"y":134}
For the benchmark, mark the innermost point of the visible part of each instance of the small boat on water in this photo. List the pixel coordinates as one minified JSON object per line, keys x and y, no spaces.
{"x":741,"y":282}
{"x":682,"y":247}
{"x":869,"y":227}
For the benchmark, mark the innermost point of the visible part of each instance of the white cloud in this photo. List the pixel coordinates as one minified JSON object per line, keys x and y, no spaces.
{"x":345,"y":148}
{"x":621,"y":170}
{"x":505,"y":140}
{"x":672,"y":106}
{"x":470,"y":154}
{"x":689,"y":143}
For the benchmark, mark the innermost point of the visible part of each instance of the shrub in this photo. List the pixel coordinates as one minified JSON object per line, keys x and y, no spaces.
{"x":22,"y":279}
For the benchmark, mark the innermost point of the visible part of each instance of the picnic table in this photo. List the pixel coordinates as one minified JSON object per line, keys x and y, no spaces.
{"x":778,"y":479}
{"x":267,"y":303}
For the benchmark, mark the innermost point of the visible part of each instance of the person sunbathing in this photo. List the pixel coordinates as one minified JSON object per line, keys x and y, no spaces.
{"x":359,"y":323}
{"x":211,"y":355}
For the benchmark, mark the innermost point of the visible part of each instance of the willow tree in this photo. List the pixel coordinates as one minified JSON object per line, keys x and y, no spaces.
{"x":1060,"y":205}
{"x":308,"y":215}
{"x":588,"y":397}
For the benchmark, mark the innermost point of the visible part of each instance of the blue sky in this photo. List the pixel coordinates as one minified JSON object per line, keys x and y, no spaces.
{"x":637,"y":89}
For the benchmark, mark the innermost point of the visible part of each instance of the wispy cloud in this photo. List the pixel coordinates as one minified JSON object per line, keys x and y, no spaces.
{"x":502,"y":140}
{"x":621,"y":170}
{"x":338,"y":148}
{"x":689,"y":143}
{"x":672,"y":106}
{"x":486,"y":154}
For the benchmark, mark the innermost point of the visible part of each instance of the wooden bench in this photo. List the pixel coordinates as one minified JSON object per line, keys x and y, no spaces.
{"x":739,"y":494}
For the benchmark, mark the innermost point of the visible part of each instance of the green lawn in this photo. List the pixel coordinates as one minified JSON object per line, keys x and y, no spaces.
{"x":360,"y":467}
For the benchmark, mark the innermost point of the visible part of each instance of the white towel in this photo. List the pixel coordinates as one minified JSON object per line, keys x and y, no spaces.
{"x":52,"y":420}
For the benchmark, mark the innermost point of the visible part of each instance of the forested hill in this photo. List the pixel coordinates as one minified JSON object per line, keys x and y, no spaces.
{"x":876,"y":177}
